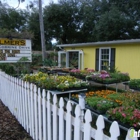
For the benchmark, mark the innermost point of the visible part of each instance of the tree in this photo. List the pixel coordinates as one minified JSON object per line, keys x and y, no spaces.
{"x":71,"y":21}
{"x":33,"y":25}
{"x":13,"y":19}
{"x":13,"y":22}
{"x":89,"y":14}
{"x":61,"y":22}
{"x":117,"y":22}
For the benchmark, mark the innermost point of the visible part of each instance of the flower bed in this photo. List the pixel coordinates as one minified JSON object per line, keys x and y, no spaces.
{"x":55,"y":82}
{"x":108,"y":78}
{"x":103,"y":76}
{"x":126,"y":115}
{"x":123,"y":107}
{"x":81,"y":73}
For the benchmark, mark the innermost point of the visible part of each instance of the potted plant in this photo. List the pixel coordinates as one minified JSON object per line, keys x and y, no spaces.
{"x":103,"y":105}
{"x":134,"y":84}
{"x":125,"y":115}
{"x":92,"y":102}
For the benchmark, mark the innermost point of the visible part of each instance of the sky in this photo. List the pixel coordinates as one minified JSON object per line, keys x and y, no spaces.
{"x":14,"y":3}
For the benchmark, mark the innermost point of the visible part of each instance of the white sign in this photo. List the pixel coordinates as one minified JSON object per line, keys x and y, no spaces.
{"x":15,"y":49}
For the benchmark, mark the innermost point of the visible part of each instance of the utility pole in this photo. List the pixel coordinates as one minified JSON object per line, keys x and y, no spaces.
{"x":42,"y":31}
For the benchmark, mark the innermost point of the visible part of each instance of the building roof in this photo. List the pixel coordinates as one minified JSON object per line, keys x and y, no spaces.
{"x":100,"y":43}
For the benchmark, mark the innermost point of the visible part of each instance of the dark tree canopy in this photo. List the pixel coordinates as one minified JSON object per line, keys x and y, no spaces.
{"x":13,"y":19}
{"x":71,"y":21}
{"x":62,"y":22}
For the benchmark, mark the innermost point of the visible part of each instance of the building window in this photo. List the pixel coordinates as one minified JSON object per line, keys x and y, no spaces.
{"x":104,"y":58}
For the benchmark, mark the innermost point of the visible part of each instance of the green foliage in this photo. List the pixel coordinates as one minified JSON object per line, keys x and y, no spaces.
{"x":100,"y":103}
{"x":8,"y":68}
{"x":105,"y":104}
{"x":36,"y":59}
{"x":33,"y":25}
{"x":49,"y":62}
{"x":126,"y":99}
{"x":23,"y":59}
{"x":12,"y":19}
{"x":121,"y":77}
{"x":16,"y":69}
{"x":92,"y":101}
{"x":76,"y":21}
{"x":134,"y":84}
{"x":127,"y":115}
{"x":11,"y":33}
{"x":51,"y":59}
{"x":63,"y":30}
{"x":23,"y":66}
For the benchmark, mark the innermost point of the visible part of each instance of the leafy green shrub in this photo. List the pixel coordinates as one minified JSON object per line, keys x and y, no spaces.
{"x":8,"y":68}
{"x":36,"y":59}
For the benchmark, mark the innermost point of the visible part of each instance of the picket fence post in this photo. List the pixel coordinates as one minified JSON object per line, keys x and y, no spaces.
{"x":29,"y":107}
{"x":35,"y":112}
{"x":68,"y":121}
{"x":55,"y":117}
{"x":40,"y":114}
{"x":32,"y":111}
{"x":44,"y":116}
{"x":114,"y":131}
{"x":100,"y":126}
{"x":12,"y":99}
{"x":26,"y":106}
{"x":49,"y":124}
{"x":87,"y":126}
{"x":61,"y":119}
{"x":77,"y":123}
{"x":16,"y":92}
{"x":20,"y":101}
{"x":24,"y":102}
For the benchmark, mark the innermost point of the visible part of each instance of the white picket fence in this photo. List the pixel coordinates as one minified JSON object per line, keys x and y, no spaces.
{"x":46,"y":119}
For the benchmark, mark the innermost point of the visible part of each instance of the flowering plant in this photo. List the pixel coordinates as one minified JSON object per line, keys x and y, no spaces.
{"x":126,"y":99}
{"x":129,"y":115}
{"x":81,"y":73}
{"x":74,"y":72}
{"x":105,"y":104}
{"x":54,"y":81}
{"x":107,"y":77}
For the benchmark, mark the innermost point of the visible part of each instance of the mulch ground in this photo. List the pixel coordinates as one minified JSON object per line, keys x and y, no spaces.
{"x":10,"y":129}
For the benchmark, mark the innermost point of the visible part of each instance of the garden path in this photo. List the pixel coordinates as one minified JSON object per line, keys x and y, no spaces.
{"x":10,"y":129}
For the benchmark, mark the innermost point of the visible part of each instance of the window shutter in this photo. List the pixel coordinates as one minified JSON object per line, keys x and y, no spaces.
{"x":112,"y":62}
{"x":97,"y":60}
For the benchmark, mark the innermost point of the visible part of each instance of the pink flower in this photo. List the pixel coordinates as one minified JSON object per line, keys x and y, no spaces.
{"x":90,"y":70}
{"x":103,"y":72}
{"x":114,"y":111}
{"x":103,"y":76}
{"x":75,"y":70}
{"x":123,"y":114}
{"x":134,"y":125}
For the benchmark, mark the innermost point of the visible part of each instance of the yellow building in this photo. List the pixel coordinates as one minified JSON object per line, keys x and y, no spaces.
{"x":124,"y":55}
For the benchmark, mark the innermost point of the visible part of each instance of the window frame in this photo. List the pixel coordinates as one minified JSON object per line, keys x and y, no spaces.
{"x":100,"y":50}
{"x":66,"y":52}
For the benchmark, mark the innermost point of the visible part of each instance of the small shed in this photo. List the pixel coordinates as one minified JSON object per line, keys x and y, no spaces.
{"x":123,"y":55}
